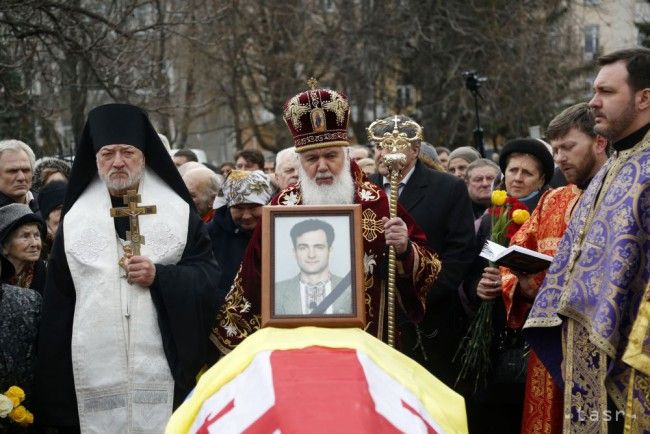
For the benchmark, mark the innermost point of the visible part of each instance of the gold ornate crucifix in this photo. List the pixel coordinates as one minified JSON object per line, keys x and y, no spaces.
{"x":132,"y":210}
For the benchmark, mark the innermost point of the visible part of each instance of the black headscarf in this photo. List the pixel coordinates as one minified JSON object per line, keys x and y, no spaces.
{"x":51,"y":196}
{"x":120,"y":124}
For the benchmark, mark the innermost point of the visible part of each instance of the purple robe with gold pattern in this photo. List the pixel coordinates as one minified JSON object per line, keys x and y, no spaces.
{"x":582,"y":316}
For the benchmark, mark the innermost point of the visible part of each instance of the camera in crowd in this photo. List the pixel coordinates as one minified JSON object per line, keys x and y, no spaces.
{"x":473,"y":80}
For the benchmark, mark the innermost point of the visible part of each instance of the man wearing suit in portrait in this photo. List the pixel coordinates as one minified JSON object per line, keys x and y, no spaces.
{"x":305,"y":293}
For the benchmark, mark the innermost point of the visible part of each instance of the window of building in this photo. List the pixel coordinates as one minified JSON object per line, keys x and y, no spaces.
{"x":405,"y":95}
{"x":591,"y":41}
{"x":644,"y":34}
{"x":329,"y":5}
{"x":589,"y":86}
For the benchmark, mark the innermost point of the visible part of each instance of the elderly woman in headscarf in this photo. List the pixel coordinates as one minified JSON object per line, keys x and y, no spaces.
{"x":238,"y":210}
{"x":21,"y":233}
{"x":460,"y":158}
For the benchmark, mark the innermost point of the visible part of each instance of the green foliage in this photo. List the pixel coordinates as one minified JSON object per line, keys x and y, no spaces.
{"x":473,"y":353}
{"x":500,"y":224}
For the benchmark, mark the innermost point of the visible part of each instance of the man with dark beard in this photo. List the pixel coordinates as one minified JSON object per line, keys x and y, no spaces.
{"x":123,"y":335}
{"x":580,"y":153}
{"x":318,"y":120}
{"x":580,"y":322}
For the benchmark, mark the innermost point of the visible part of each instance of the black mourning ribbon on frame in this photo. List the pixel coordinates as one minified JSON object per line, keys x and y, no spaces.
{"x":331,"y":298}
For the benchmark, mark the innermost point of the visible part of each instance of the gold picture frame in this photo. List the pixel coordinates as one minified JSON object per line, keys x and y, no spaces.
{"x":302,"y":244}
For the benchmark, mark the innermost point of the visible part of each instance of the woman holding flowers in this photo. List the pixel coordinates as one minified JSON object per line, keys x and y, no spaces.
{"x":527,"y":166}
{"x":19,"y":319}
{"x":20,"y":306}
{"x":492,"y":355}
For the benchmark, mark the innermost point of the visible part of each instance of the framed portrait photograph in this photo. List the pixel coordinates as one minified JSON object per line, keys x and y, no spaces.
{"x":312,"y":266}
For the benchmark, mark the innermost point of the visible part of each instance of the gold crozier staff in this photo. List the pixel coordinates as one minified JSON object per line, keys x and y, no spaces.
{"x":395,"y":161}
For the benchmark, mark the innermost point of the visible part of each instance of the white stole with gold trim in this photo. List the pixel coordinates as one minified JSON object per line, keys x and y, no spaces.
{"x":122,"y":379}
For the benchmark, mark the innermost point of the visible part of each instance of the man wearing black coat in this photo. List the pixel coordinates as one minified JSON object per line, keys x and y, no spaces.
{"x":441,"y":206}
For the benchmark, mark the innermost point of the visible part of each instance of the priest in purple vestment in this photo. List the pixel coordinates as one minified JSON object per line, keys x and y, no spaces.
{"x":580,"y":323}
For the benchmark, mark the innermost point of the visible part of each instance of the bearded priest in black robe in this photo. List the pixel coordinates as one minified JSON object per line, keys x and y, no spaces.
{"x":122,"y":335}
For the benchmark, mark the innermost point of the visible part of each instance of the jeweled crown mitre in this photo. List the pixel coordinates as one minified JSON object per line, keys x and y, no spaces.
{"x":317,"y":118}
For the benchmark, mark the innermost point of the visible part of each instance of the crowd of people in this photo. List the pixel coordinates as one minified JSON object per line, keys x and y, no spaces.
{"x":128,"y":272}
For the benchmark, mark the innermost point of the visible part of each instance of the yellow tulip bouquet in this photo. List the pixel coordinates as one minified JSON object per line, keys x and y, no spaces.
{"x":11,"y":407}
{"x":507,"y":215}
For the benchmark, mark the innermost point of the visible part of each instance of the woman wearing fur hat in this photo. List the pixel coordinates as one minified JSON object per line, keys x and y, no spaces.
{"x":48,"y":169}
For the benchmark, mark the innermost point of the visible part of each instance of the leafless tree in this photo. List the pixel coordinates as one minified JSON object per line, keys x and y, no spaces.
{"x":205,"y":65}
{"x":513,"y":44}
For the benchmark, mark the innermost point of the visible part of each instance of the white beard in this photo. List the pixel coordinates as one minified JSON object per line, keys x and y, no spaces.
{"x":340,"y":192}
{"x":122,"y":184}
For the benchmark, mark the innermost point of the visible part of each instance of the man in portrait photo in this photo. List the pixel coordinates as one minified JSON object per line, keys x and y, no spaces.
{"x":314,"y":290}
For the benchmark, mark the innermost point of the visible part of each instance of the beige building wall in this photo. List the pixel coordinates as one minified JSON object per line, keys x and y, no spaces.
{"x":600,"y":27}
{"x":608,"y":25}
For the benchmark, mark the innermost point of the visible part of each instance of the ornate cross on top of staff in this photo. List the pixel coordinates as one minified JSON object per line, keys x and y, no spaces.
{"x":395,"y":160}
{"x":132,"y":211}
{"x":312,"y":83}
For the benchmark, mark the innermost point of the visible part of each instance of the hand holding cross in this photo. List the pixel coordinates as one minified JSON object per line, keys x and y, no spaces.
{"x":132,"y":211}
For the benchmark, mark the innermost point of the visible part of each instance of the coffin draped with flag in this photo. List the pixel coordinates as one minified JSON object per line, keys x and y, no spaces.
{"x":319,"y":381}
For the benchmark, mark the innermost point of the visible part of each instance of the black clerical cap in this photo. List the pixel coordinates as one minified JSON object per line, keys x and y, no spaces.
{"x":114,"y":124}
{"x":125,"y":124}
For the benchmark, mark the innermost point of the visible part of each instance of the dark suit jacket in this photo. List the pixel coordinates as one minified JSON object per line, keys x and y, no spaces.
{"x":6,"y":200}
{"x":229,"y":243}
{"x":288,"y":302}
{"x":441,"y":206}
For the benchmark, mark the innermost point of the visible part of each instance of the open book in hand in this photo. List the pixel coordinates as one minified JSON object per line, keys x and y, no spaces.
{"x":516,"y":257}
